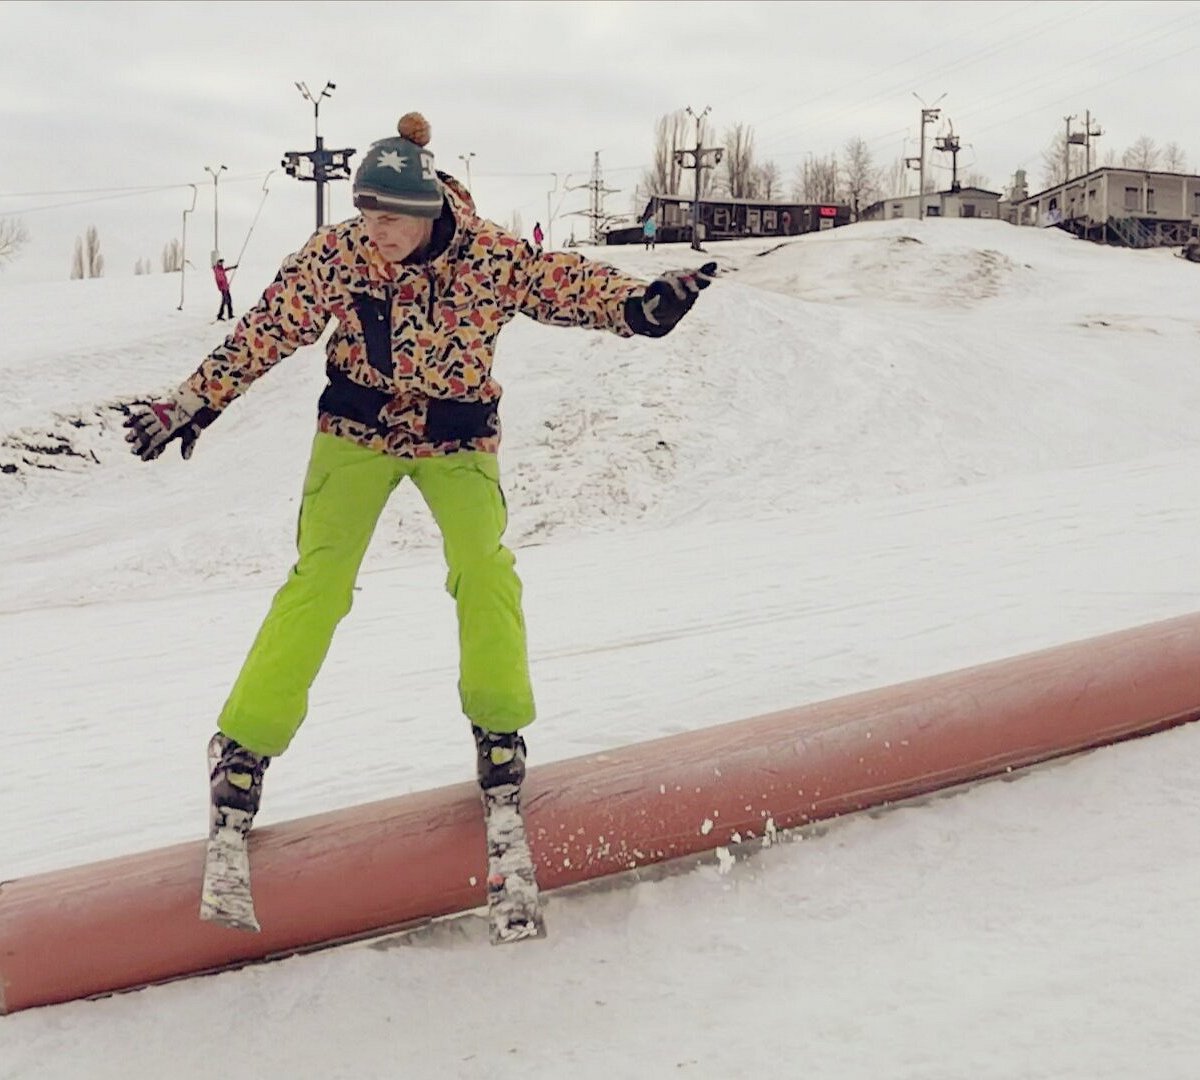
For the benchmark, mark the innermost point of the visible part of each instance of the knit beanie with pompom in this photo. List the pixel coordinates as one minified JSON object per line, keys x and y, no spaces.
{"x":398,"y":174}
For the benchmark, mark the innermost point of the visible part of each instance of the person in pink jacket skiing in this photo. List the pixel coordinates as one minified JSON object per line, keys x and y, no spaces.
{"x":222,"y":280}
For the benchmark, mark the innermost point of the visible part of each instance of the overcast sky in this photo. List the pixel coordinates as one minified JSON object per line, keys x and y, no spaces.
{"x":100,"y":98}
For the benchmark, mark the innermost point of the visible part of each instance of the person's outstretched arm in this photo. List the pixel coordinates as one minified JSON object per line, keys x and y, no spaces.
{"x":563,"y":288}
{"x":289,"y":315}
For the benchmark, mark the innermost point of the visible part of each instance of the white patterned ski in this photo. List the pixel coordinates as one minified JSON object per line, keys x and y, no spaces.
{"x":514,"y":904}
{"x":225,"y":897}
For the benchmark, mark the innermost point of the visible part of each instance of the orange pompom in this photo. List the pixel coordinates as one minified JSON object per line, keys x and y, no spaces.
{"x":415,"y":128}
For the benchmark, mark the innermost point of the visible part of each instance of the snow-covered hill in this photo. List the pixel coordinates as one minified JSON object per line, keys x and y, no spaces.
{"x":869,"y":455}
{"x":871,"y":361}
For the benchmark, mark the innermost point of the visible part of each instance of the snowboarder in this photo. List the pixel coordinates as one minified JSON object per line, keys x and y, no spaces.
{"x":649,"y":232}
{"x":419,"y":287}
{"x":222,"y":280}
{"x":538,"y":235}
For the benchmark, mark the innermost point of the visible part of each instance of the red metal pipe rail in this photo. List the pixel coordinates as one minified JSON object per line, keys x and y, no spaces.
{"x":351,"y":873}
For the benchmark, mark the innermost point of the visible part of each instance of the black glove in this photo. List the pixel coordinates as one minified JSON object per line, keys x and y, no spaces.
{"x":667,"y":300}
{"x":153,"y":424}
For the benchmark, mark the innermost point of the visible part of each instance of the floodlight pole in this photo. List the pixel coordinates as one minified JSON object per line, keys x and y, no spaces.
{"x":327,"y":165}
{"x":318,"y":159}
{"x":466,"y":160}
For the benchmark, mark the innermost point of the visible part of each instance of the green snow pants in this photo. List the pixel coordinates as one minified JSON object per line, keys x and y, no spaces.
{"x":345,"y":490}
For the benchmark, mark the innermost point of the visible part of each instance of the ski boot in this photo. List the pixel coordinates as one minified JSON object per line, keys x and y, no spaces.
{"x":235,"y":775}
{"x":500,"y":758}
{"x":514,"y":903}
{"x":235,"y":778}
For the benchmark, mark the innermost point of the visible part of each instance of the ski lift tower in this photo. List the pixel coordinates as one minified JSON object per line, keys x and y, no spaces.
{"x":318,"y":165}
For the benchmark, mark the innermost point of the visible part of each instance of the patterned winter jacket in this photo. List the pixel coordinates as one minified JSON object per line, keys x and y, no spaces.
{"x":409,"y":363}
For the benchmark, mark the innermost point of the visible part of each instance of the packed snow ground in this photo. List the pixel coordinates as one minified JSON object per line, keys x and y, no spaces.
{"x":869,"y":455}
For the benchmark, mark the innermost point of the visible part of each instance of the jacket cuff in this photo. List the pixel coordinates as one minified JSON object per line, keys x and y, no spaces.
{"x":193,"y":394}
{"x":635,"y":317}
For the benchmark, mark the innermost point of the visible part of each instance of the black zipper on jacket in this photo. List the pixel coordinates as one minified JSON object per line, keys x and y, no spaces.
{"x":429,"y":276}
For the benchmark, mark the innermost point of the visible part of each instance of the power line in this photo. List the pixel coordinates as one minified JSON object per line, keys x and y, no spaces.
{"x":1163,"y":29}
{"x":971,"y":58}
{"x":1154,"y":34}
{"x":973,"y":31}
{"x":86,"y":191}
{"x":121,"y":193}
{"x":1158,"y":60}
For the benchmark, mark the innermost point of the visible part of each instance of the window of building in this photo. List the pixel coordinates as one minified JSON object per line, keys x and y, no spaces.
{"x":933,"y":211}
{"x":1149,"y":200}
{"x":1133,"y":198}
{"x":770,"y":221}
{"x":1196,"y":204}
{"x":721,"y":218}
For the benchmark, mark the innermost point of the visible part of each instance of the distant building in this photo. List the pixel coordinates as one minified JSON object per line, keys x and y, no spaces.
{"x":1120,"y":205}
{"x":726,"y":218}
{"x":962,"y":202}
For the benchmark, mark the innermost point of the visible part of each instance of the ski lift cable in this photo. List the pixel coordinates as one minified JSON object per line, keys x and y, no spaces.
{"x":261,"y":204}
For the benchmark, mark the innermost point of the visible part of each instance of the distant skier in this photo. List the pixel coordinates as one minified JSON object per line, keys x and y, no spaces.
{"x":649,"y":232}
{"x":538,"y":235}
{"x":419,"y":288}
{"x":222,"y":280}
{"x":1191,"y":250}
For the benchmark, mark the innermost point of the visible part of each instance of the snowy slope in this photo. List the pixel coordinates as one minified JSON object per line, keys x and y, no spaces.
{"x":817,"y":392}
{"x":870,"y":455}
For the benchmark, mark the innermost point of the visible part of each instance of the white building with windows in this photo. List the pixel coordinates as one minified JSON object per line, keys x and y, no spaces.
{"x":1131,"y":207}
{"x":957,"y":202}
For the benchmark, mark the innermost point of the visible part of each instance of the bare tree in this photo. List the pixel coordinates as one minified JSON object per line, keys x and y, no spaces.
{"x":670,"y":135}
{"x":893,"y":179}
{"x":142,"y":266}
{"x":87,"y":260}
{"x":976,"y":179}
{"x":1143,"y":154}
{"x":860,"y":177}
{"x":1173,"y":158}
{"x":798,"y":184}
{"x":172,"y":257}
{"x":1054,"y":161}
{"x":13,"y":237}
{"x":819,"y":178}
{"x":768,"y":180}
{"x":93,"y":260}
{"x":516,"y":225}
{"x":739,"y":160}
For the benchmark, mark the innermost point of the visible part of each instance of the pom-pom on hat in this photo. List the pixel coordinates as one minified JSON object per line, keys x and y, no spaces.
{"x":398,"y":174}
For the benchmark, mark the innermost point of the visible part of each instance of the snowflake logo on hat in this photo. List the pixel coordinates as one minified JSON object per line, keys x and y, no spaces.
{"x":391,"y":159}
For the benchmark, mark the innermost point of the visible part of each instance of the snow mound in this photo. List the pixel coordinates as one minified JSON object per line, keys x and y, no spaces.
{"x":866,"y":362}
